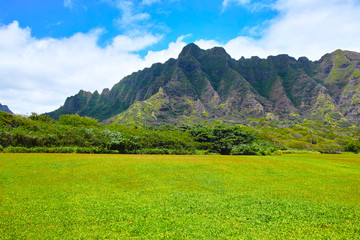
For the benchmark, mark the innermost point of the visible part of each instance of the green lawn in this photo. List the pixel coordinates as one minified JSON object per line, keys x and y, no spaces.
{"x":65,"y":196}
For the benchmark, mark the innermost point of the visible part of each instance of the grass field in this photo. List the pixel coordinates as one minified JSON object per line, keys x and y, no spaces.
{"x":65,"y":196}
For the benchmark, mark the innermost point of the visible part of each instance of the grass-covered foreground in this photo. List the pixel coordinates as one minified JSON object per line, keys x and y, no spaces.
{"x":48,"y":196}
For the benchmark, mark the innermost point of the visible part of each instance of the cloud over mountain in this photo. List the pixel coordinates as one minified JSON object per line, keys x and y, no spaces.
{"x":301,"y":28}
{"x":36,"y":74}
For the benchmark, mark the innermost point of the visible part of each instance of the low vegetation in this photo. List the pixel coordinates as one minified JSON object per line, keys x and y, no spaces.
{"x":77,"y":196}
{"x":75,"y":134}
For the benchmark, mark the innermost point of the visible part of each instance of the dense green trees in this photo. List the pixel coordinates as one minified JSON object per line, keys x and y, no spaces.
{"x":72,"y":133}
{"x":81,"y":134}
{"x":222,"y":139}
{"x":353,"y":146}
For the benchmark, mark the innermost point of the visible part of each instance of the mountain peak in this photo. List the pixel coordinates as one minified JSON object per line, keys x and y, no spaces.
{"x":191,"y":49}
{"x":210,"y":85}
{"x":350,"y":55}
{"x":219,"y":51}
{"x":340,"y":58}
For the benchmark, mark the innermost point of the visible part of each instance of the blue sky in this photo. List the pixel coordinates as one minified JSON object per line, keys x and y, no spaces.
{"x":52,"y":49}
{"x":169,"y":19}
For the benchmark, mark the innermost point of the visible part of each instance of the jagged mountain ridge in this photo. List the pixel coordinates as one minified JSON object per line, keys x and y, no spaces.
{"x":5,"y":108}
{"x":209,"y":85}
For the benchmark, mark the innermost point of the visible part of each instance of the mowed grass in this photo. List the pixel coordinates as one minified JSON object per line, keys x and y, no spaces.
{"x":64,"y":196}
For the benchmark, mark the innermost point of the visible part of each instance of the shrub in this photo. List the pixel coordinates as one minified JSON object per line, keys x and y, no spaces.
{"x":353,"y":146}
{"x":76,"y":120}
{"x":221,"y":138}
{"x":256,"y":148}
{"x":91,"y":150}
{"x":12,"y":149}
{"x":295,"y":144}
{"x":164,"y":151}
{"x":330,"y":147}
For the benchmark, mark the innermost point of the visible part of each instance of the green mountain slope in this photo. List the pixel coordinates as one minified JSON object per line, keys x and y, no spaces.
{"x":207,"y":85}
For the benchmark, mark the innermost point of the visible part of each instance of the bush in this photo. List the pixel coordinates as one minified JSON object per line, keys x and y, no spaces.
{"x":162,"y":151}
{"x":295,"y":144}
{"x":76,"y":120}
{"x":353,"y":146}
{"x":256,"y":148}
{"x":90,"y":150}
{"x":12,"y":149}
{"x":1,"y":148}
{"x":221,"y":139}
{"x":329,"y":147}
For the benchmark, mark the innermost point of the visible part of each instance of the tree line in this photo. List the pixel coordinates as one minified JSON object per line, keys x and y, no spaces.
{"x":75,"y":134}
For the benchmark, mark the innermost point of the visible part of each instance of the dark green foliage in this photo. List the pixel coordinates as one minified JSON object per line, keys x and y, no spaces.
{"x":90,"y":150}
{"x":234,"y":140}
{"x":164,"y":151}
{"x":136,"y":139}
{"x":9,"y":120}
{"x":353,"y":146}
{"x":75,"y":134}
{"x":256,"y":148}
{"x":115,"y":140}
{"x":221,"y":139}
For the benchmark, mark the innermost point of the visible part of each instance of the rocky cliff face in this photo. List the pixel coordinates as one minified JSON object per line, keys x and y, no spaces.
{"x":5,"y":108}
{"x":210,"y":85}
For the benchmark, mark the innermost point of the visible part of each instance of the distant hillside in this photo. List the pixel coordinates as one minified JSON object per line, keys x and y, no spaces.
{"x":5,"y":108}
{"x":209,"y":85}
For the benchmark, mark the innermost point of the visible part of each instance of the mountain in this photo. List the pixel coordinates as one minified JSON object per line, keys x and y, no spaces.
{"x":4,"y":108}
{"x":209,"y":85}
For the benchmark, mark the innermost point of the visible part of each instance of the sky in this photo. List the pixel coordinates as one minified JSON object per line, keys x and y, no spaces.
{"x":49,"y":50}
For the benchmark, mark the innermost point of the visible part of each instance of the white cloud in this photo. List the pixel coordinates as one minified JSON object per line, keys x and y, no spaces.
{"x":129,"y":44}
{"x":37,"y":75}
{"x":303,"y":28}
{"x":207,"y":44}
{"x":172,"y":51}
{"x":132,"y":20}
{"x":245,"y":46}
{"x":11,"y":38}
{"x":314,"y":27}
